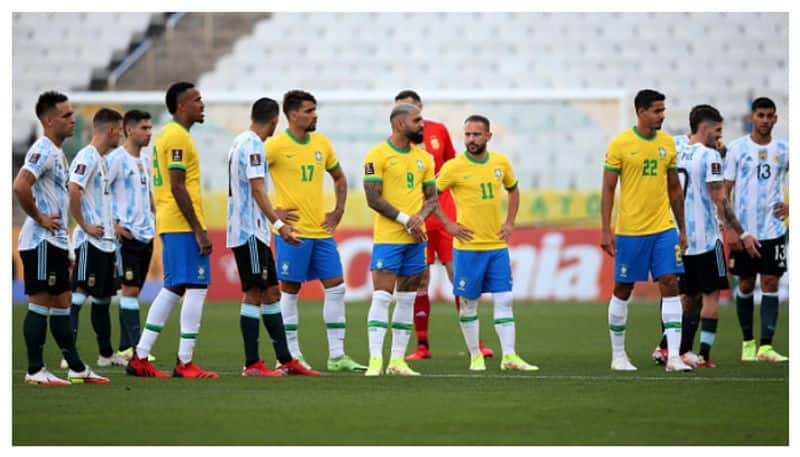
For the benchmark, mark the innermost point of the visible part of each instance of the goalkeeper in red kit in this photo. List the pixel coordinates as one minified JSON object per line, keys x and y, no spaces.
{"x":440,"y":243}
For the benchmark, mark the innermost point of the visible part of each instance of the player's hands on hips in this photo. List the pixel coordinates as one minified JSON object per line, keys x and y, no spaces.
{"x":203,"y":242}
{"x":287,"y":214}
{"x":751,"y":245}
{"x":733,"y":241}
{"x":418,"y":234}
{"x":780,"y":210}
{"x":95,"y":230}
{"x":332,"y":220}
{"x":607,"y":243}
{"x":122,"y":232}
{"x":458,"y":231}
{"x":414,"y":222}
{"x":287,"y":233}
{"x":505,"y":231}
{"x":51,"y":222}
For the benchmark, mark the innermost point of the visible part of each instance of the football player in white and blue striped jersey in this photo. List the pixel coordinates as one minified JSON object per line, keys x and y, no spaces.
{"x":129,"y":175}
{"x":93,"y":237}
{"x":249,"y":215}
{"x":706,"y":204}
{"x":755,"y":169}
{"x":41,"y":189}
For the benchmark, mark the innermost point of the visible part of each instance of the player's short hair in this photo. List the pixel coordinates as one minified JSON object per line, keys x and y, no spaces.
{"x":264,"y":110}
{"x":105,"y":116}
{"x":403,"y":109}
{"x":646,"y":97}
{"x":133,"y":117}
{"x":478,"y":118}
{"x":48,"y":101}
{"x":293,"y":100}
{"x":408,"y":93}
{"x":174,"y":92}
{"x":703,"y":113}
{"x":763,"y":103}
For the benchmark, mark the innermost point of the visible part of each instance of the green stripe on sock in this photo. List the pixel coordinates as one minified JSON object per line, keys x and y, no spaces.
{"x":334,"y":325}
{"x":153,"y":327}
{"x":190,"y":336}
{"x":504,"y":320}
{"x":672,"y":325}
{"x":402,"y":326}
{"x":468,"y":318}
{"x":616,"y":328}
{"x":290,"y":327}
{"x":377,"y":324}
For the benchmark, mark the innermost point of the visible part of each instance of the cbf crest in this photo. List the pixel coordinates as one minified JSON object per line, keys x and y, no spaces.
{"x":420,"y":164}
{"x":318,"y":156}
{"x":498,"y":173}
{"x":662,"y":153}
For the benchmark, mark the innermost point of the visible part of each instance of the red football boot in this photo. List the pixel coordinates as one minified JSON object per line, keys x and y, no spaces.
{"x":294,"y":367}
{"x":422,"y":352}
{"x":143,"y":367}
{"x":702,"y":363}
{"x":487,"y":352}
{"x":190,"y":370}
{"x":259,"y":369}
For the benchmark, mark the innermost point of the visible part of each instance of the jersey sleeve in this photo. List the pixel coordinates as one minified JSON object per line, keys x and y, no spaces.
{"x":429,"y":177}
{"x":178,"y":149}
{"x":373,"y":166}
{"x":613,"y":158}
{"x":713,"y":171}
{"x":80,"y":169}
{"x":731,"y":163}
{"x":253,"y":153}
{"x":672,"y":156}
{"x":445,"y":179}
{"x":331,"y":161}
{"x":38,"y":161}
{"x":510,"y":180}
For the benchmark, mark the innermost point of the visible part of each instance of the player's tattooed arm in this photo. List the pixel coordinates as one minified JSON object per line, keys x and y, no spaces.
{"x":725,"y":213}
{"x":375,"y":200}
{"x":178,"y":187}
{"x":676,"y":202}
{"x":431,"y":201}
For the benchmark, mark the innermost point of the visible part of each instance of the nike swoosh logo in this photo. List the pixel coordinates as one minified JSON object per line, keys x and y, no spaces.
{"x":466,"y":177}
{"x":289,"y":156}
{"x":634,"y":153}
{"x":391,"y":164}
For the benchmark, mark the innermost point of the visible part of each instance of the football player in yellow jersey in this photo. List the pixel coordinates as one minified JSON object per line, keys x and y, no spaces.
{"x":181,"y":226}
{"x":643,"y":159}
{"x":400,"y":187}
{"x":480,"y":251}
{"x":296,"y":159}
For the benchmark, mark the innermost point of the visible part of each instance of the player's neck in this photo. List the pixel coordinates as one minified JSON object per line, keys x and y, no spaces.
{"x":185,"y":123}
{"x":298,"y":133}
{"x":760,"y":139}
{"x":54,"y":138}
{"x":132,"y":149}
{"x":101,"y":146}
{"x":399,"y":141}
{"x":259,"y":130}
{"x":645,"y":131}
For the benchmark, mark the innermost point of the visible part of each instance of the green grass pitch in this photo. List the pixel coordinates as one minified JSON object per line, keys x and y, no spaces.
{"x":573,"y":399}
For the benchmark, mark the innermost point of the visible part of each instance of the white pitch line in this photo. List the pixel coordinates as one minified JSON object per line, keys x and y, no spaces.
{"x":675,"y":377}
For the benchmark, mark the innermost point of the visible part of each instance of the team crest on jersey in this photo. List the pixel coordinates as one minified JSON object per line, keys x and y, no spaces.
{"x":255,"y":160}
{"x":462,"y":283}
{"x":498,"y":172}
{"x":129,"y":274}
{"x":51,"y":280}
{"x":177,"y":155}
{"x":285,"y":267}
{"x":34,"y":157}
{"x":91,"y":281}
{"x":379,"y":264}
{"x":623,"y":271}
{"x":201,"y":273}
{"x":435,"y":142}
{"x":369,"y":168}
{"x":731,"y":263}
{"x":264,"y":274}
{"x":318,"y":156}
{"x":762,"y":154}
{"x":80,"y":169}
{"x":777,"y":160}
{"x":662,"y":152}
{"x":420,"y":164}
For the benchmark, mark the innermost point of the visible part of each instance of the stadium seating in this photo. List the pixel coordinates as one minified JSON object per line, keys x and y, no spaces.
{"x":60,"y":50}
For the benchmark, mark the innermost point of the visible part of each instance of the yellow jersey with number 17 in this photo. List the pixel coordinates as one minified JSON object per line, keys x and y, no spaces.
{"x":476,"y":191}
{"x":403,"y":173}
{"x":642,"y":164}
{"x":174,"y":149}
{"x":297,"y":169}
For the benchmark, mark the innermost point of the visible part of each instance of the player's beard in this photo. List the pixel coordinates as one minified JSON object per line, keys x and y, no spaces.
{"x":312,"y":127}
{"x":415,"y":137}
{"x":478,"y":151}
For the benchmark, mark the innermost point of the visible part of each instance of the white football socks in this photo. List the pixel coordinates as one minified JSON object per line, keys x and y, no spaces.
{"x":470,"y":326}
{"x":617,"y":316}
{"x":290,"y":322}
{"x":504,"y":320}
{"x":333,"y":313}
{"x":671,"y":314}
{"x":191,"y":313}
{"x":378,"y":321}
{"x":156,"y":316}
{"x":402,"y":323}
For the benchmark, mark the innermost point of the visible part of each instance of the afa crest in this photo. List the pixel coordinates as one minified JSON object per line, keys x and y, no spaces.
{"x":91,"y":281}
{"x":51,"y":279}
{"x":264,"y":274}
{"x":762,"y":154}
{"x":129,"y":274}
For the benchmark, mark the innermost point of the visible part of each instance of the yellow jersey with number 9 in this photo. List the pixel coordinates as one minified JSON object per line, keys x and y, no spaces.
{"x":174,"y":149}
{"x":642,"y":164}
{"x":297,"y":169}
{"x":476,"y":191}
{"x":403,"y":174}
